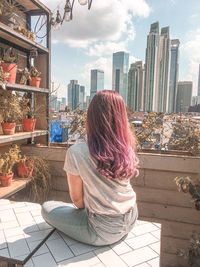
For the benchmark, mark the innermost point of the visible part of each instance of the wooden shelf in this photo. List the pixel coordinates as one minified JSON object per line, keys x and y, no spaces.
{"x":25,"y":88}
{"x":17,"y":185}
{"x":21,"y":136}
{"x":7,"y":33}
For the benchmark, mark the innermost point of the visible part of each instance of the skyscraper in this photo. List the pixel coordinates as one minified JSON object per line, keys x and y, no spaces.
{"x":184,"y":96}
{"x":97,"y":82}
{"x":81,"y":97}
{"x":73,"y":94}
{"x":157,"y":62}
{"x":136,"y":86}
{"x":198,"y":93}
{"x":120,"y":73}
{"x":174,"y":70}
{"x":164,"y":64}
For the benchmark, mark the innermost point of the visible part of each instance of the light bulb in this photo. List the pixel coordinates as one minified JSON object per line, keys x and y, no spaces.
{"x":83,"y":2}
{"x":67,"y":16}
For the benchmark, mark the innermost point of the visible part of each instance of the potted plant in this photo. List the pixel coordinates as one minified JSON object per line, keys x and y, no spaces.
{"x":8,"y":59}
{"x":29,"y":120}
{"x":10,"y":111}
{"x":35,"y":77}
{"x":25,"y":167}
{"x":7,"y":161}
{"x":3,"y":75}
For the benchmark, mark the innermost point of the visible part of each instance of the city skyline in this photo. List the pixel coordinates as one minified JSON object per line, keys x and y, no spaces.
{"x":78,"y":46}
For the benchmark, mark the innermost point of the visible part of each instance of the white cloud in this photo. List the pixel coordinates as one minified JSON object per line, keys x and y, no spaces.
{"x":107,"y":21}
{"x":191,"y":50}
{"x":106,"y":48}
{"x":102,"y":63}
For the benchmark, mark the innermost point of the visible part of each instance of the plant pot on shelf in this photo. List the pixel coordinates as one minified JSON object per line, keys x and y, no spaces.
{"x":28,"y":125}
{"x":35,"y":81}
{"x":6,"y":180}
{"x":8,"y":128}
{"x":24,"y":169}
{"x":11,"y":68}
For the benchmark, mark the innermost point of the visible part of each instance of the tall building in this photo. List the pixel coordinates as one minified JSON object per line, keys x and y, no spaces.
{"x":184,"y":96}
{"x":195,"y":100}
{"x":174,"y":71}
{"x":73,"y":94}
{"x":198,"y":93}
{"x":157,"y":64}
{"x":136,"y":86}
{"x":120,"y":74}
{"x":53,"y":102}
{"x":82,"y":97}
{"x":97,"y":81}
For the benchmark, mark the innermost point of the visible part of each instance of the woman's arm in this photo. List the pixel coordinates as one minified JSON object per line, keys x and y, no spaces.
{"x":76,"y":190}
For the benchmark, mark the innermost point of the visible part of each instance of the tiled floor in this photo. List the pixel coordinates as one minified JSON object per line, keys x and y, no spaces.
{"x":22,"y":228}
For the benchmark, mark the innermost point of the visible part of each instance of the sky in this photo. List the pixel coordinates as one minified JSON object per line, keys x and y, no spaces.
{"x":89,"y":40}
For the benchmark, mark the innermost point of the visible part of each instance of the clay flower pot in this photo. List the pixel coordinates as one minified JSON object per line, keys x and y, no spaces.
{"x":24,"y":169}
{"x":8,"y":127}
{"x":11,"y":68}
{"x":28,"y":125}
{"x":35,"y":81}
{"x":6,"y":180}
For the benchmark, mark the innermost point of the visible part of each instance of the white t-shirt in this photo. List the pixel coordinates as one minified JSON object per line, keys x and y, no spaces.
{"x":101,"y":195}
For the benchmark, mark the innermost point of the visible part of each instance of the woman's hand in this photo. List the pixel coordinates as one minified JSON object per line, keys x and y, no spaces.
{"x":76,"y":190}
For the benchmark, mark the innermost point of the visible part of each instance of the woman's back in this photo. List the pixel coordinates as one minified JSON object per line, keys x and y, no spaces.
{"x":102,"y":195}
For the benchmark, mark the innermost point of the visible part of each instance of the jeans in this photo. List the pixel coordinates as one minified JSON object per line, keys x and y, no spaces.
{"x":87,"y":227}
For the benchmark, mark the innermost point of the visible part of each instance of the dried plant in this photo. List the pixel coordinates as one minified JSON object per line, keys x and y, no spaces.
{"x":34,"y":72}
{"x":187,"y":185}
{"x":192,"y":254}
{"x":3,"y":75}
{"x":40,"y":180}
{"x":8,"y":55}
{"x":10,"y":109}
{"x":8,"y":160}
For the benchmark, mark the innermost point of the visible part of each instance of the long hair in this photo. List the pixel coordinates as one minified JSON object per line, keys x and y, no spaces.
{"x":110,"y":140}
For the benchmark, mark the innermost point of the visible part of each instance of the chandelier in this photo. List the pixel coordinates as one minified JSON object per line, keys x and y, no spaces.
{"x":68,"y":12}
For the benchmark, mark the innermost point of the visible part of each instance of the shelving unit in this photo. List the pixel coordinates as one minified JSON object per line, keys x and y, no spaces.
{"x":23,"y":46}
{"x":11,"y":38}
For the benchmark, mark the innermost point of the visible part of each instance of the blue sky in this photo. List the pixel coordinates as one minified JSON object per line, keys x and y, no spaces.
{"x":113,"y":25}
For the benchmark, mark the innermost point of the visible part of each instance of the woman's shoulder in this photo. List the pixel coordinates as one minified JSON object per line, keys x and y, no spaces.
{"x":80,"y":147}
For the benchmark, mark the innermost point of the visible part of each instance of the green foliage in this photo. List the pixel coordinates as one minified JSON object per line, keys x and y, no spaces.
{"x":10,"y":109}
{"x":187,"y":185}
{"x":8,"y":160}
{"x":192,"y":254}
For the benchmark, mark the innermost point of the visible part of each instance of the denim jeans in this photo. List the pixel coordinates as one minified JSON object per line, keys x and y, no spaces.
{"x":87,"y":227}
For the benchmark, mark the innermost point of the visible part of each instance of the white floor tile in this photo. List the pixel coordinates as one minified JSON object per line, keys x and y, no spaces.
{"x":141,"y":241}
{"x":144,"y":228}
{"x":80,"y":248}
{"x":36,"y":236}
{"x":59,"y":249}
{"x":69,"y":241}
{"x":42,"y":250}
{"x":25,"y":218}
{"x":139,"y":256}
{"x":121,"y":248}
{"x":17,"y":246}
{"x":155,"y":262}
{"x":156,"y":247}
{"x":44,"y":260}
{"x":4,"y":253}
{"x":157,"y":234}
{"x":7,"y":216}
{"x":85,"y":260}
{"x":13,"y":232}
{"x":7,"y":225}
{"x":109,"y":258}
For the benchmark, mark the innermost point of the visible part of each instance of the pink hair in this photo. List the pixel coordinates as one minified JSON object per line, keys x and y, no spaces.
{"x":110,"y":140}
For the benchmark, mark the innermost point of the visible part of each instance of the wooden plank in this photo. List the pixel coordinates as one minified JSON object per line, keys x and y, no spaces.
{"x":172,"y":260}
{"x":163,"y":196}
{"x":26,"y":88}
{"x":173,"y":163}
{"x":59,"y":183}
{"x":172,"y":245}
{"x":178,"y":229}
{"x":21,"y":136}
{"x":170,"y":213}
{"x":49,"y":153}
{"x":20,"y":40}
{"x":59,"y":196}
{"x":17,"y":185}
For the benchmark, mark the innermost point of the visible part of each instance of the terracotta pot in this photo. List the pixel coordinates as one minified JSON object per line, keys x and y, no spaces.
{"x":12,"y":69}
{"x":35,"y":81}
{"x":28,"y":125}
{"x":24,"y":169}
{"x":8,"y":128}
{"x":6,"y":180}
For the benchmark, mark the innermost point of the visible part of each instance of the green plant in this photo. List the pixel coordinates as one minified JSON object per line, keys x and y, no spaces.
{"x":8,"y":160}
{"x":34,"y":72}
{"x":10,"y":109}
{"x":187,"y":185}
{"x":192,"y":253}
{"x":8,"y":55}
